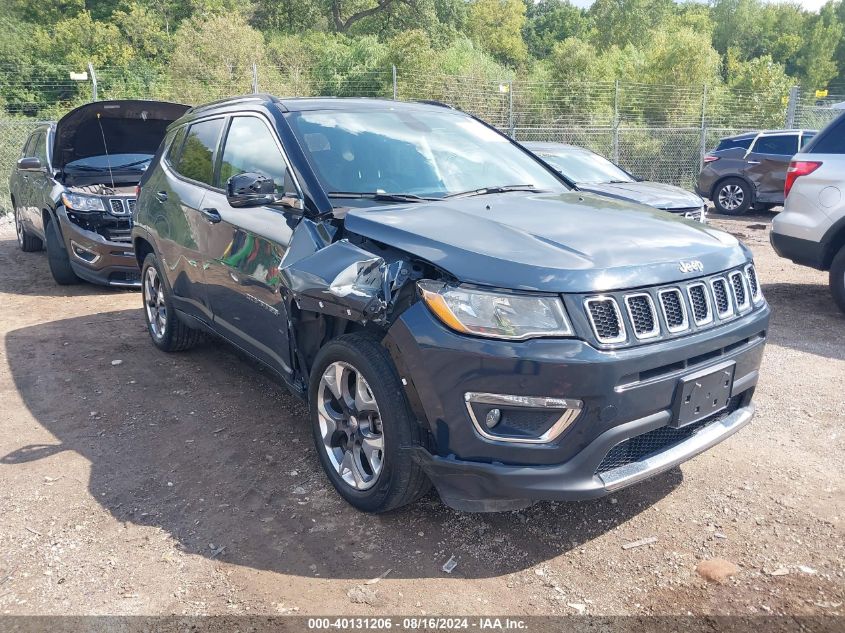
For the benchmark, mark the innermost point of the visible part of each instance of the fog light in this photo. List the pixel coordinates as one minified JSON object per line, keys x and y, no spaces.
{"x":83,"y":253}
{"x":493,"y":418}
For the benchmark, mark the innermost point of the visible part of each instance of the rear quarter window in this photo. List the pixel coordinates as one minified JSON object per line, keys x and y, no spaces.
{"x":196,"y":159}
{"x":830,"y":140}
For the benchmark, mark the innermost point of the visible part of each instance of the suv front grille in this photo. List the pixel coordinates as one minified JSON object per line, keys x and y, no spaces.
{"x":606,"y":319}
{"x":683,"y":308}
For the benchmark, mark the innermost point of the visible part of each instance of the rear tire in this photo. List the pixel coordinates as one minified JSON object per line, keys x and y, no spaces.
{"x":58,"y":258}
{"x":732,"y":196}
{"x":167,"y":331}
{"x":380,"y":419}
{"x":837,"y":279}
{"x":28,"y":243}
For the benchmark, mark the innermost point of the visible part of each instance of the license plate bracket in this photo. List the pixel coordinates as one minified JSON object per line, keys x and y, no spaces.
{"x":703,"y":394}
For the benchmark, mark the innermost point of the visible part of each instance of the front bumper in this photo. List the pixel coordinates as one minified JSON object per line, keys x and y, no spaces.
{"x":96,"y":259}
{"x":625,"y":393}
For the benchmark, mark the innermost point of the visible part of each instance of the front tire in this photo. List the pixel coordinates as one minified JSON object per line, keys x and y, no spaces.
{"x":732,"y":196}
{"x":837,"y":278}
{"x":26,"y":242}
{"x":362,"y":423}
{"x":166,"y":329}
{"x":58,"y":258}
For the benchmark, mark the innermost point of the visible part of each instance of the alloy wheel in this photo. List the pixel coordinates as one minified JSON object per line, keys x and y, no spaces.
{"x":154,"y":303}
{"x":350,"y":425}
{"x":731,"y":197}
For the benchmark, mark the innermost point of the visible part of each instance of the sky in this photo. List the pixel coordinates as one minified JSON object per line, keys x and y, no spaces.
{"x":811,"y":5}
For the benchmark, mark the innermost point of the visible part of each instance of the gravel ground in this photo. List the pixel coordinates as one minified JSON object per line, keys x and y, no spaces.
{"x":135,"y":482}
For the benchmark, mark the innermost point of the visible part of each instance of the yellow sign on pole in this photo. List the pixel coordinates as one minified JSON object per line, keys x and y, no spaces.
{"x":821,"y":94}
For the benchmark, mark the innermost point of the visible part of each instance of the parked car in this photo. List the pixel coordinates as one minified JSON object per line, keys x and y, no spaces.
{"x":73,"y":188}
{"x":450,"y":309}
{"x":748,"y":171}
{"x":594,"y":173}
{"x":811,"y":228}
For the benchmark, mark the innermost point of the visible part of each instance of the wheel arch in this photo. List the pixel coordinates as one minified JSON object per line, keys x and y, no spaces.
{"x":741,"y":177}
{"x":142,"y":247}
{"x":833,"y":240}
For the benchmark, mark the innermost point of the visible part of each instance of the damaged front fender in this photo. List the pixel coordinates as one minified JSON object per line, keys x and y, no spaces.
{"x":344,"y":280}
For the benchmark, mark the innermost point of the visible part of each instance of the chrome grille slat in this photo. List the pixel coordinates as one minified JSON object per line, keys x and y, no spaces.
{"x":674,"y":309}
{"x":724,"y":307}
{"x":753,"y":283}
{"x":643,"y":315}
{"x":606,"y":319}
{"x":702,"y":308}
{"x":740,"y":292}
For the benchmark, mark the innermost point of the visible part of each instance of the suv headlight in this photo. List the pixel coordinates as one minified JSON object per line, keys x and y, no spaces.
{"x":502,"y":315}
{"x":79,"y":202}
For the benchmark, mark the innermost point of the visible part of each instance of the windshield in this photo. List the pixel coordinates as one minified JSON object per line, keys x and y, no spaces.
{"x":129,"y":162}
{"x":584,"y":167}
{"x":424,"y":153}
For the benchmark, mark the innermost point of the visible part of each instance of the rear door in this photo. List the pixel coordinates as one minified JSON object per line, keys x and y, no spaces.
{"x":20,"y":181}
{"x":179,"y":188}
{"x":244,"y":247}
{"x":40,"y":184}
{"x":767,"y":162}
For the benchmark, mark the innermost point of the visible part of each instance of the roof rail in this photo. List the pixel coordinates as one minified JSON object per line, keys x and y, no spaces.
{"x":434,"y":102}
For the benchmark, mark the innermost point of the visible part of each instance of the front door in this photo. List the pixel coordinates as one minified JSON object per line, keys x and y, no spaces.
{"x":767,"y":162}
{"x":245,"y":247}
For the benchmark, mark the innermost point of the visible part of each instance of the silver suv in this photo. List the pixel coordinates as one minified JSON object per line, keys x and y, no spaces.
{"x":811,"y":229}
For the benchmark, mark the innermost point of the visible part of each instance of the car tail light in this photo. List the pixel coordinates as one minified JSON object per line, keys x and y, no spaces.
{"x":710,"y":159}
{"x":798,"y":168}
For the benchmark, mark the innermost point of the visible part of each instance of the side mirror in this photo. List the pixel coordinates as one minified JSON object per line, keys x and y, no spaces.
{"x":256,"y":190}
{"x":30,"y":163}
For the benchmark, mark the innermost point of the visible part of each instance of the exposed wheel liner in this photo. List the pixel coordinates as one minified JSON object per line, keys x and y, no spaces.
{"x":58,"y":259}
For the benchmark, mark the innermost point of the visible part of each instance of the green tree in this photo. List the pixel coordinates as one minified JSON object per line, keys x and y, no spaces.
{"x":549,"y":22}
{"x":623,"y":22}
{"x":496,"y":26}
{"x":817,"y":62}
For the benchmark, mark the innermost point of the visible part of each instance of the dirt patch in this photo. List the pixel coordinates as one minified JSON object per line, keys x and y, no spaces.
{"x":187,"y":484}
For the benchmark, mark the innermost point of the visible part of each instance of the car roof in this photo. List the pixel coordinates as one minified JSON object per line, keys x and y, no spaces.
{"x":747,"y":135}
{"x":300,"y":104}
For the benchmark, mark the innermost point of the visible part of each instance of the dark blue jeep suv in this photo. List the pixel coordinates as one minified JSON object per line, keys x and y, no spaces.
{"x":453,"y":312}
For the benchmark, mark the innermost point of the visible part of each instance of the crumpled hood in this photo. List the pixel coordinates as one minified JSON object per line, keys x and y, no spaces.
{"x":129,"y":127}
{"x":653,"y":194}
{"x":570,"y":242}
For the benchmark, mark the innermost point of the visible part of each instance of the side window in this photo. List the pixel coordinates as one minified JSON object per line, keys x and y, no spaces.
{"x":40,"y":149}
{"x":732,"y":143}
{"x":251,"y":147}
{"x":197,"y":157}
{"x":27,"y":147}
{"x":174,"y":150}
{"x":783,"y":144}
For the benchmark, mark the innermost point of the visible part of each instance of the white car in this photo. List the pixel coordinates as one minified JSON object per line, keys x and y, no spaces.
{"x":811,"y":228}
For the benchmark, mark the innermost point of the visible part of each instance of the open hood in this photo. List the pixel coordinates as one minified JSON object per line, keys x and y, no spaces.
{"x":129,"y":127}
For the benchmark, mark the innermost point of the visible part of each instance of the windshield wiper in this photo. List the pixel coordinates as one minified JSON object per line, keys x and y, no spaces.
{"x":134,"y":164}
{"x":381,"y":197}
{"x":106,"y":167}
{"x":489,"y":190}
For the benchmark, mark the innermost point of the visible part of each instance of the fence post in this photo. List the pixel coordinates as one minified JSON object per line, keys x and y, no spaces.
{"x":792,"y":108}
{"x":93,"y":81}
{"x":703,"y":149}
{"x":511,"y":127}
{"x":254,"y":78}
{"x":616,"y":122}
{"x":395,"y":85}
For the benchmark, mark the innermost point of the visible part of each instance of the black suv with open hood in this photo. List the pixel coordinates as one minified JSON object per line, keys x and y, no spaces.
{"x":73,"y":187}
{"x":453,"y":313}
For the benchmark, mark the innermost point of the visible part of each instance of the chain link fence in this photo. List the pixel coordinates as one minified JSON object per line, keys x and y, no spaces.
{"x":656,"y":132}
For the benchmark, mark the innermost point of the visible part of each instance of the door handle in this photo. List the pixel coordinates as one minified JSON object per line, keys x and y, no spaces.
{"x":753,"y":162}
{"x":212,"y":215}
{"x":161,"y":196}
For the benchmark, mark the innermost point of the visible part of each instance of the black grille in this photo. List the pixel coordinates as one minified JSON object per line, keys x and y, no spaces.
{"x":673,"y":309}
{"x":739,"y":289}
{"x":752,"y":281}
{"x":116,"y":206}
{"x":641,"y":311}
{"x":605,"y":317}
{"x":700,"y":305}
{"x":642,"y":446}
{"x":720,"y":293}
{"x":131,"y":204}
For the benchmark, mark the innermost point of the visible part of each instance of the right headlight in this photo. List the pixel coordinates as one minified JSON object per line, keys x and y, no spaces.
{"x":79,"y":202}
{"x":503,"y":315}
